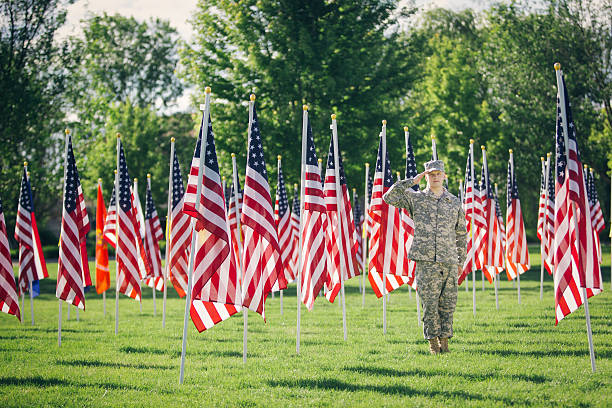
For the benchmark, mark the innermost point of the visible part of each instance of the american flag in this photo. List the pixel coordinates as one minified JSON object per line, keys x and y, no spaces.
{"x":549,"y":226}
{"x":493,"y":253}
{"x":339,"y":212}
{"x":517,"y":253}
{"x":144,"y":266}
{"x":314,"y":218}
{"x":129,"y":244}
{"x":233,"y":221}
{"x":9,"y":301}
{"x":216,"y":291}
{"x":295,"y":229}
{"x":358,"y":217}
{"x":575,"y":254}
{"x":542,"y":205}
{"x":407,"y":224}
{"x":468,"y":208}
{"x":369,"y":222}
{"x":32,"y":265}
{"x":500,"y":221}
{"x":110,"y":221}
{"x":262,"y":255}
{"x":597,"y":218}
{"x":180,"y":233}
{"x":153,"y":234}
{"x":72,"y":273}
{"x":282,"y":217}
{"x":388,"y":239}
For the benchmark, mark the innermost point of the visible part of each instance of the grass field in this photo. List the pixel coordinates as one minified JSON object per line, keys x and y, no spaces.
{"x":514,"y":356}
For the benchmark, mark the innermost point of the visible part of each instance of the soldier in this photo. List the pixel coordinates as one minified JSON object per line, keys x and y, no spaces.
{"x":439,"y":248}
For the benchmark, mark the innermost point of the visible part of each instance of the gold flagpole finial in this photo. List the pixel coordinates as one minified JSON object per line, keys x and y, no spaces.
{"x":305,"y":107}
{"x":252,"y":97}
{"x":67,"y":131}
{"x":557,"y":66}
{"x":405,"y":128}
{"x":333,"y":116}
{"x":172,"y":139}
{"x":207,"y":90}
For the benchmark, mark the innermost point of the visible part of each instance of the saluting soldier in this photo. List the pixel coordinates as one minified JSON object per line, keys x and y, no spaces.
{"x":439,"y":248}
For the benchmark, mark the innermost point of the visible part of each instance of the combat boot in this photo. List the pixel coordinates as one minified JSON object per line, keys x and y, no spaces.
{"x":444,"y":345}
{"x":434,"y":346}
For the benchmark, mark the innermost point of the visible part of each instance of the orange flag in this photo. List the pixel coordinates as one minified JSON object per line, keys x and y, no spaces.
{"x":102,"y":273}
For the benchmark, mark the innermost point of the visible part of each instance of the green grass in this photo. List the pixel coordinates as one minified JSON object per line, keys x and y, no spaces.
{"x":514,"y":356}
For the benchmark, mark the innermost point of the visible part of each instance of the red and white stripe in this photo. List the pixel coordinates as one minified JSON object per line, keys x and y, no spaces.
{"x":392,"y":282}
{"x":542,"y":204}
{"x":517,"y":253}
{"x":283,"y":229}
{"x":109,"y":233}
{"x":153,"y":234}
{"x":9,"y":301}
{"x":233,"y":225}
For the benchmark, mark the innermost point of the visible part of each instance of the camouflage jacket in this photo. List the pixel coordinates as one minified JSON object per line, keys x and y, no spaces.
{"x":439,"y":223}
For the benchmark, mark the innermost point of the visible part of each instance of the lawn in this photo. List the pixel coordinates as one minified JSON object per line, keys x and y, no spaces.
{"x":514,"y":356}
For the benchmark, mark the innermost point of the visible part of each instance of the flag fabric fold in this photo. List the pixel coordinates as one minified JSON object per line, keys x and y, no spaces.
{"x":102,"y":271}
{"x":153,"y":234}
{"x":517,"y":253}
{"x":9,"y":301}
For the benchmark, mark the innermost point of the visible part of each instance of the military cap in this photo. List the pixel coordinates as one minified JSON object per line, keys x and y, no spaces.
{"x":434,"y":165}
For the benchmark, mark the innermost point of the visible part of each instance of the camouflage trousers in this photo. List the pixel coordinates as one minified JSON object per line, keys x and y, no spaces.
{"x":437,"y":288}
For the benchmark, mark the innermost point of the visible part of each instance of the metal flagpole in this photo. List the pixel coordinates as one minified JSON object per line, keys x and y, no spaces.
{"x":154,"y":284}
{"x":239,"y":238}
{"x":194,"y":235}
{"x":560,"y":87}
{"x":302,"y":193}
{"x":168,"y":231}
{"x":117,"y":239}
{"x":434,"y":150}
{"x":59,"y":325}
{"x":472,"y":228}
{"x":343,"y":267}
{"x":245,"y":311}
{"x":384,"y":175}
{"x":366,"y":207}
{"x":515,"y":238}
{"x":323,"y":289}
{"x":25,"y":165}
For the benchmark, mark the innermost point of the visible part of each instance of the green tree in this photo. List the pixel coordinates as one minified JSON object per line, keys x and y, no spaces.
{"x":344,"y":57}
{"x":32,"y":83}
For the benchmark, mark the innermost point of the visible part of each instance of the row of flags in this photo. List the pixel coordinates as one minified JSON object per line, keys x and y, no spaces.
{"x":235,"y":267}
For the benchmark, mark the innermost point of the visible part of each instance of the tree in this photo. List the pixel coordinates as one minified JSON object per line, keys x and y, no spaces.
{"x":344,"y":57}
{"x":32,"y":82}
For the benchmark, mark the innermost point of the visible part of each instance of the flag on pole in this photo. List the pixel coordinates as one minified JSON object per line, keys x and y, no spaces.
{"x":338,"y":211}
{"x":369,"y":221}
{"x":575,"y":254}
{"x":102,"y":271}
{"x":493,"y":254}
{"x":129,"y":244}
{"x":235,"y":235}
{"x":517,"y":253}
{"x":109,"y":233}
{"x":153,"y":234}
{"x":542,"y":204}
{"x":596,"y":214}
{"x":180,"y":233}
{"x":9,"y":301}
{"x":32,"y":265}
{"x":216,"y":291}
{"x":144,"y":266}
{"x":549,"y":226}
{"x":469,"y":204}
{"x":71,"y":270}
{"x":502,"y":228}
{"x":407,"y":224}
{"x":358,"y":217}
{"x":282,"y":217}
{"x":262,"y":255}
{"x":314,"y":250}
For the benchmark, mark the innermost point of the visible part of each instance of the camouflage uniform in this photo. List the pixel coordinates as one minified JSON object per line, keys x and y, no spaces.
{"x":439,"y":247}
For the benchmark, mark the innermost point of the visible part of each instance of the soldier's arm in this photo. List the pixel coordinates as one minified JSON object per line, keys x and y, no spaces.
{"x":400,"y":193}
{"x":461,"y":236}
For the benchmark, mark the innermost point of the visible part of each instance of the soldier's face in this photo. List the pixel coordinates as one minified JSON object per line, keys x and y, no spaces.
{"x":435,"y":178}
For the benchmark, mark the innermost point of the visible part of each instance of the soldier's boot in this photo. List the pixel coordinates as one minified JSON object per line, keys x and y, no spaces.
{"x":444,"y":345}
{"x":434,"y":346}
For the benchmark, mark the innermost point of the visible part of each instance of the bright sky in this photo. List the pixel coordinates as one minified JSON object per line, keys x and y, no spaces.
{"x":179,"y":11}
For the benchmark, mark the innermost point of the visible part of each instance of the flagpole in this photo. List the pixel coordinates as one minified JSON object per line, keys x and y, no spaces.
{"x":472,"y":229}
{"x":366,"y":207}
{"x":194,"y":235}
{"x":543,"y":233}
{"x":168,"y":231}
{"x":343,"y":267}
{"x":434,"y":150}
{"x":59,"y":323}
{"x":117,"y":239}
{"x":239,"y":239}
{"x":302,"y":193}
{"x":496,"y":276}
{"x":25,"y":165}
{"x":153,"y":279}
{"x":135,"y":188}
{"x":278,"y":167}
{"x":560,"y":87}
{"x":245,"y":311}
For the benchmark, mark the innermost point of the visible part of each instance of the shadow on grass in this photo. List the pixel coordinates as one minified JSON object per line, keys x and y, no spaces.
{"x":98,"y":363}
{"x":390,"y":372}
{"x":64,"y":330}
{"x":177,"y":353}
{"x":41,"y":382}
{"x":392,"y":389}
{"x":548,"y":353}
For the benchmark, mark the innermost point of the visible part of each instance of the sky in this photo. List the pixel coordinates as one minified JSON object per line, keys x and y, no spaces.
{"x":179,"y":11}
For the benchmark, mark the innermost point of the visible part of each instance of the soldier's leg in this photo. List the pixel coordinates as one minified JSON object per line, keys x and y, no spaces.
{"x":429,"y":286}
{"x":448,"y":300}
